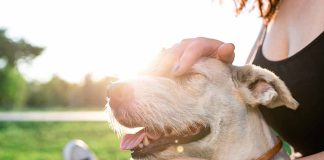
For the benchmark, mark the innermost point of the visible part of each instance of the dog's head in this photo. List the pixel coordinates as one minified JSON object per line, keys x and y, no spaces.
{"x":177,"y":113}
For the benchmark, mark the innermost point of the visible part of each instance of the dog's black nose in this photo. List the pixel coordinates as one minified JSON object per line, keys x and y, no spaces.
{"x":120,"y":92}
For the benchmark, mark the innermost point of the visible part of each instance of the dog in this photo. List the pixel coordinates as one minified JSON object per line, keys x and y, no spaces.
{"x":211,"y":113}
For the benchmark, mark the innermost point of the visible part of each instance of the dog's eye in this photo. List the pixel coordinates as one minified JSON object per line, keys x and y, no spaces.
{"x":189,"y":74}
{"x":187,"y":77}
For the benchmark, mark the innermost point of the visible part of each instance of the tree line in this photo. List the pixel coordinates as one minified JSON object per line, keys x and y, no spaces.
{"x":58,"y":92}
{"x":15,"y":91}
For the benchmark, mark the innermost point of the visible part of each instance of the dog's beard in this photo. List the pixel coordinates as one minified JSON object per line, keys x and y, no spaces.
{"x":154,"y":125}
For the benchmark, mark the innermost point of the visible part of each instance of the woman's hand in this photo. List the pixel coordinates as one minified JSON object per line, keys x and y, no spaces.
{"x":189,"y":51}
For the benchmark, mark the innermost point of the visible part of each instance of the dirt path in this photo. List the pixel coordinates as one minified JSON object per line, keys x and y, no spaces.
{"x":54,"y":116}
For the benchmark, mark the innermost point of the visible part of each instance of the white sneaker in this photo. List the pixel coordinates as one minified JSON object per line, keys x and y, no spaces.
{"x":77,"y":150}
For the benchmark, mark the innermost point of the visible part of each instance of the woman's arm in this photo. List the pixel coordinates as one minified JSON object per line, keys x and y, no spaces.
{"x":317,"y":156}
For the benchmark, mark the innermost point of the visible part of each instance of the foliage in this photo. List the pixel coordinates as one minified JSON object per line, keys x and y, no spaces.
{"x":12,"y":87}
{"x":58,"y":92}
{"x":13,"y":51}
{"x":55,"y":92}
{"x":94,"y":93}
{"x":15,"y":91}
{"x":46,"y":140}
{"x":12,"y":84}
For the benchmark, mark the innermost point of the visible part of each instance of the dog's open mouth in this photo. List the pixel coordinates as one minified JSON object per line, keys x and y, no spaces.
{"x":144,"y":143}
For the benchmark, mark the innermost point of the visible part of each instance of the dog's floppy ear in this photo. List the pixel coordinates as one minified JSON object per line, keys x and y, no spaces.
{"x":260,"y":86}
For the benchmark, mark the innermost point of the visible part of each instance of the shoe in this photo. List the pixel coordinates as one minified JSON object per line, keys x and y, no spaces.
{"x":77,"y":150}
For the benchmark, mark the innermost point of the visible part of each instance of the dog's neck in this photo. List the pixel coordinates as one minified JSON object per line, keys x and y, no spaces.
{"x":249,"y":138}
{"x":267,"y":140}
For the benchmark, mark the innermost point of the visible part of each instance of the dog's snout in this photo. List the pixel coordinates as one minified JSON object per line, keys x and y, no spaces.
{"x":120,"y":92}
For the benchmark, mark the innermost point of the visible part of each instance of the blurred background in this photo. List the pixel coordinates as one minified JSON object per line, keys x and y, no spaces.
{"x":60,"y":56}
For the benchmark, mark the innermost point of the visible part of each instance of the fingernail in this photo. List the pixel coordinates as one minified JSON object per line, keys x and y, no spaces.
{"x":176,"y":67}
{"x":232,"y":45}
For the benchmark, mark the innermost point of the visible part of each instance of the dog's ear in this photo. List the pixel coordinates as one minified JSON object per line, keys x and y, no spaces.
{"x":260,"y":86}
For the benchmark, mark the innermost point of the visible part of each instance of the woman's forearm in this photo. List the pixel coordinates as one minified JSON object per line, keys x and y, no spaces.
{"x":317,"y":156}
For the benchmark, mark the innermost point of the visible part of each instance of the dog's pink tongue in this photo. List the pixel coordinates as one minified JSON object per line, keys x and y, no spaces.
{"x":130,"y":141}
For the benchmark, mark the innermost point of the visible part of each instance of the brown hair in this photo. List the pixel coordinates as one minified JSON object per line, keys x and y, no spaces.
{"x":266,"y":8}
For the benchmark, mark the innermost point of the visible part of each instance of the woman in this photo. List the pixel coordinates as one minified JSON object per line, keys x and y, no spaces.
{"x":293,"y":48}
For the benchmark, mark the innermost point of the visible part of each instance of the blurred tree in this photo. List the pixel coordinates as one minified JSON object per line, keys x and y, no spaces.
{"x":90,"y":93}
{"x":101,"y":88}
{"x":58,"y":92}
{"x":37,"y":95}
{"x":12,"y":84}
{"x":12,"y":88}
{"x":13,"y":51}
{"x":53,"y":93}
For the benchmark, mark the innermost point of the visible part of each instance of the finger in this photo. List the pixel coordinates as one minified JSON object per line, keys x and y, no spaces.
{"x":178,"y":48}
{"x":164,"y":64}
{"x":172,"y":56}
{"x":225,"y":53}
{"x":203,"y":47}
{"x":189,"y":57}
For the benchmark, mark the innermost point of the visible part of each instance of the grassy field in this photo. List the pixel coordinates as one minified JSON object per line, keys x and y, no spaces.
{"x":45,"y":140}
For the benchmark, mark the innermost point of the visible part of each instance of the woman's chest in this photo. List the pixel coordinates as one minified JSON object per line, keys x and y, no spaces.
{"x":294,"y":27}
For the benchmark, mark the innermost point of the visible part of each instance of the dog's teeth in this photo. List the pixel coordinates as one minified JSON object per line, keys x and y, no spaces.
{"x":173,"y":132}
{"x":146,"y":142}
{"x":141,"y":145}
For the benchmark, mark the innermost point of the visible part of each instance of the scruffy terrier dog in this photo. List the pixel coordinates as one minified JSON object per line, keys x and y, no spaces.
{"x":210,"y":113}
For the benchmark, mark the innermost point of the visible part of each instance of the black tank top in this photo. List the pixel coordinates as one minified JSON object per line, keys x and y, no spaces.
{"x":303,"y":73}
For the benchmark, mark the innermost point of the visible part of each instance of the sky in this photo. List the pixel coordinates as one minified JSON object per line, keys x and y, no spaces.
{"x":117,"y":37}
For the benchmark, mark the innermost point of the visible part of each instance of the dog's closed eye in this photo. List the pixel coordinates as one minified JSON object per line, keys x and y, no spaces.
{"x":188,"y":77}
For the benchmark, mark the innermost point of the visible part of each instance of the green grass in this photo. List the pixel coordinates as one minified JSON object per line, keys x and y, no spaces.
{"x":46,"y":140}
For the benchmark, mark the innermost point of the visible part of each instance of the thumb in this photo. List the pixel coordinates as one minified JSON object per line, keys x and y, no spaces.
{"x":225,"y":53}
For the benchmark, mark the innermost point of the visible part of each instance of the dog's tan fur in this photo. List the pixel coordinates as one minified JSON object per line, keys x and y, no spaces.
{"x":223,"y":96}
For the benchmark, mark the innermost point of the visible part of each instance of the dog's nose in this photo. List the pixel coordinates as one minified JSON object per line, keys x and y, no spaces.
{"x":120,"y":92}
